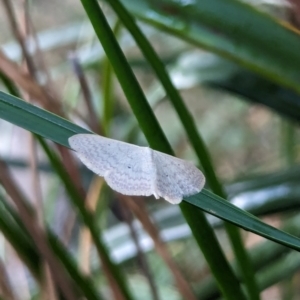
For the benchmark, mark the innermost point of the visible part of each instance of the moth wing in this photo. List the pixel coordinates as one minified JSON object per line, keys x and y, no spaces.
{"x":127,"y":168}
{"x":176,"y":178}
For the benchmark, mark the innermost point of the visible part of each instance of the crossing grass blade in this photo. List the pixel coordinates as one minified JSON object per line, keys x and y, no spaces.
{"x":46,"y":124}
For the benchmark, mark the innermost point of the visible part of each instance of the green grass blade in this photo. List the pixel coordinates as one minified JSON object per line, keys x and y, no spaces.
{"x":128,"y":81}
{"x":232,"y":29}
{"x":222,"y":209}
{"x":58,"y":130}
{"x":205,"y":200}
{"x":181,"y":109}
{"x":87,"y":218}
{"x":156,"y":138}
{"x":18,"y":240}
{"x":83,"y":282}
{"x":11,"y":88}
{"x":262,"y":256}
{"x":108,"y":101}
{"x":36,"y":120}
{"x":259,"y":90}
{"x":195,"y":139}
{"x":108,"y":97}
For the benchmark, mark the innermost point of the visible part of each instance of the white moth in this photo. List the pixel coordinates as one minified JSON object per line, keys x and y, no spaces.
{"x":138,"y":171}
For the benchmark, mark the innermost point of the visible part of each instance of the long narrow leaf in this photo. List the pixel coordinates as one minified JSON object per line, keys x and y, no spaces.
{"x":229,"y":285}
{"x":232,"y":29}
{"x":16,"y":238}
{"x":88,"y":219}
{"x":197,"y":143}
{"x":36,"y":120}
{"x":216,"y":206}
{"x":205,"y":200}
{"x":83,"y":282}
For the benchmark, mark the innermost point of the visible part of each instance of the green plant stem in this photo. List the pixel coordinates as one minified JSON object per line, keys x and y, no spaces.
{"x":11,"y":88}
{"x":83,"y":282}
{"x":195,"y":139}
{"x":20,"y":242}
{"x":227,"y":281}
{"x":232,"y":29}
{"x":129,"y":84}
{"x":88,"y":220}
{"x":107,"y":96}
{"x":108,"y":101}
{"x":53,"y":127}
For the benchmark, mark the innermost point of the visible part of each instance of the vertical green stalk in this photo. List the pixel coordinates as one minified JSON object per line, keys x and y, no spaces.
{"x":227,"y":281}
{"x":88,"y":220}
{"x":130,"y":86}
{"x":19,"y":241}
{"x":197,"y":142}
{"x":83,"y":282}
{"x":11,"y":88}
{"x":108,"y":101}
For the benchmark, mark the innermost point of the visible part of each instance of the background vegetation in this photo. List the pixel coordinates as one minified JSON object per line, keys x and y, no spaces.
{"x":214,"y":82}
